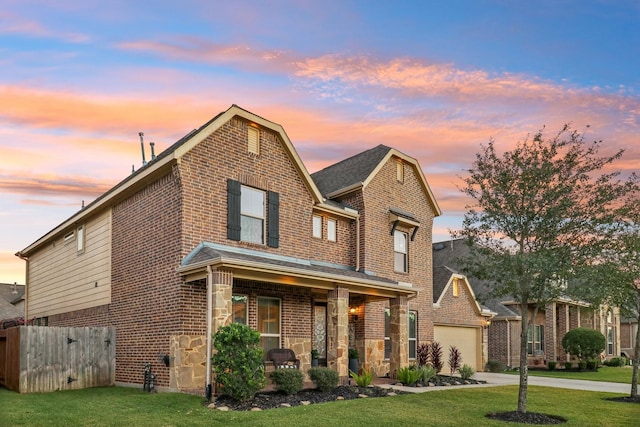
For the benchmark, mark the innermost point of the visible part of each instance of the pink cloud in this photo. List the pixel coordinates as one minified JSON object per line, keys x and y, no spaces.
{"x":13,"y":24}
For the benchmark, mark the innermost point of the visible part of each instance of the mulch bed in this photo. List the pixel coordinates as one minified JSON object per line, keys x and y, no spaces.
{"x":625,"y":399}
{"x":526,"y":418}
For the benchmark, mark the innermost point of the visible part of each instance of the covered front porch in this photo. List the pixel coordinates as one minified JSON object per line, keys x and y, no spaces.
{"x":294,"y":304}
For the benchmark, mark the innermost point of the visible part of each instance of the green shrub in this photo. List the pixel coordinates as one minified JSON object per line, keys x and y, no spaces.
{"x":568,"y":365}
{"x":288,"y":381}
{"x":495,"y":366}
{"x":428,"y":372}
{"x":409,"y":375}
{"x":552,"y":365}
{"x":364,"y":379}
{"x":466,"y":372}
{"x":582,"y":365}
{"x":325,"y":379}
{"x":616,"y":362}
{"x":584,"y":343}
{"x":592,"y":365}
{"x":353,"y":353}
{"x":238,"y":362}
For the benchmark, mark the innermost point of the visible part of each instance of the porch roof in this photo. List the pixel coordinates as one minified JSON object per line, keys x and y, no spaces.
{"x":262,"y":266}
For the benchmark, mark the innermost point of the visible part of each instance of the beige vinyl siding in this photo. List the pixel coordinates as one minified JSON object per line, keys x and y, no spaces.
{"x":63,"y":280}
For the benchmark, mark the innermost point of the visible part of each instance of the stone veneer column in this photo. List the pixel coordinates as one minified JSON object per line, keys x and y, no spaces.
{"x":398,"y":334}
{"x":550,"y":334}
{"x":338,"y":332}
{"x":221,"y":288}
{"x":563,"y":328}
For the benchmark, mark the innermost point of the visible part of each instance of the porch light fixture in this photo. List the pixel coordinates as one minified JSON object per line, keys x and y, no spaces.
{"x":486,"y":324}
{"x":353,"y":311}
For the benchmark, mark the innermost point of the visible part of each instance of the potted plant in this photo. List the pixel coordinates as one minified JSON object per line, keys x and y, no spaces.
{"x":353,"y":360}
{"x":314,"y":357}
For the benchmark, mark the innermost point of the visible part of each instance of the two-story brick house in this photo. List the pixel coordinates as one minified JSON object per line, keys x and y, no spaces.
{"x":227,"y":225}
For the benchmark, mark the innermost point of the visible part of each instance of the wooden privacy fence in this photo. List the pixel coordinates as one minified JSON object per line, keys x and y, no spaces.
{"x":35,"y":359}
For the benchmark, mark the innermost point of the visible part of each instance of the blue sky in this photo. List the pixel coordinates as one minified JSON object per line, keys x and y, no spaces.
{"x":79,"y":80}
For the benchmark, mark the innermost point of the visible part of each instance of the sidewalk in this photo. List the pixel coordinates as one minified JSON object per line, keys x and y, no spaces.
{"x":494,"y":380}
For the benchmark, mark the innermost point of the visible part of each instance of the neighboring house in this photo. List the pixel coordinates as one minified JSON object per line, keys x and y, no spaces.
{"x":549,"y":326}
{"x":459,"y":320}
{"x":628,"y":331}
{"x":227,"y":225}
{"x":11,"y":301}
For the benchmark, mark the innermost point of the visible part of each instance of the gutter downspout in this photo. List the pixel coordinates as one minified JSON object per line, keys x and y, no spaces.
{"x":208,"y":390}
{"x":26,"y":283}
{"x":358,"y":243}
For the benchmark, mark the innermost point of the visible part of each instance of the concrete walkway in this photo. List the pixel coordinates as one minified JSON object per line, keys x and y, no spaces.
{"x":494,"y":380}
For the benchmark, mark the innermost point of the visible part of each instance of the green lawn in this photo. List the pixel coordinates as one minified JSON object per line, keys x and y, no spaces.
{"x":605,"y":373}
{"x":118,"y":406}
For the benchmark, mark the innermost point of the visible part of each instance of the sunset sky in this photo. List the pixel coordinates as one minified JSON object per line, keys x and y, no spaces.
{"x":434,"y":79}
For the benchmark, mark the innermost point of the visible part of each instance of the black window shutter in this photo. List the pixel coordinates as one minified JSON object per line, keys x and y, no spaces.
{"x":233,"y":209}
{"x":273,"y":219}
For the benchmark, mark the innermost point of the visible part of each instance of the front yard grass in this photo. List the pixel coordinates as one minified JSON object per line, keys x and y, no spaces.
{"x":117,"y":406}
{"x":605,"y":373}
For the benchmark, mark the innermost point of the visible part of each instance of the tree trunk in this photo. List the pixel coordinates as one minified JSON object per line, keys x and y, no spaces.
{"x":524,"y":374}
{"x":636,"y":362}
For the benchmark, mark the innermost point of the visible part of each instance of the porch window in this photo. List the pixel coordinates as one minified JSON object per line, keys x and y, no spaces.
{"x":413,"y":334}
{"x":240,"y":309}
{"x":269,"y":323}
{"x":535,"y":340}
{"x":400,"y":251}
{"x":610,"y":340}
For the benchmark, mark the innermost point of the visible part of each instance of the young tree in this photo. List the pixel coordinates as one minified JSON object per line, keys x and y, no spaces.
{"x":538,"y":211}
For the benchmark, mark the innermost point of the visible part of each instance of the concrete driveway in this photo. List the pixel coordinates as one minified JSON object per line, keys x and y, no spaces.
{"x":494,"y":380}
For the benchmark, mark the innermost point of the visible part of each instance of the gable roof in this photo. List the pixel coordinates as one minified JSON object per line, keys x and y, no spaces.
{"x":358,"y":170}
{"x":446,"y":256}
{"x":171,"y":155}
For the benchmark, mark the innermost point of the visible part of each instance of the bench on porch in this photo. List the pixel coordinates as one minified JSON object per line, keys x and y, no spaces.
{"x":283,"y":358}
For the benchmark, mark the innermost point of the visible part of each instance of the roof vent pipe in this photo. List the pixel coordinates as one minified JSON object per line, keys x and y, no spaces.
{"x":153,"y":154}
{"x":141,"y":135}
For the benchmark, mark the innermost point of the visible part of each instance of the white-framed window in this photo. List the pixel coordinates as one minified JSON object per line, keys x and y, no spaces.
{"x":269,"y":316}
{"x":317,"y":226}
{"x":252,"y":215}
{"x":412,"y":324}
{"x":535,"y":340}
{"x":400,"y":263}
{"x":332,"y":230}
{"x":69,"y":237}
{"x":240,"y":309}
{"x":253,"y":135}
{"x":610,"y":346}
{"x":80,"y":238}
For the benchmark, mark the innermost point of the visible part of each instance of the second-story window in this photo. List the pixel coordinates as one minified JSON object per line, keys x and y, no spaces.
{"x":331,"y":230}
{"x":317,"y":226}
{"x":252,"y":215}
{"x":400,"y":263}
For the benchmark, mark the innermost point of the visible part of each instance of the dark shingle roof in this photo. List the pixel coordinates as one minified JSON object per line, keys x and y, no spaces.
{"x":350,"y":171}
{"x":448,"y":255}
{"x":211,"y":251}
{"x":441,"y":276}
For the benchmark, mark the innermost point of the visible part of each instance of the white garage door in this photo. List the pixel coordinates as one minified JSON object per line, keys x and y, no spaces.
{"x":467,"y":340}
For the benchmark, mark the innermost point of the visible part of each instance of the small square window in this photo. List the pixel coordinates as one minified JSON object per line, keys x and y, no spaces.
{"x":331,"y":230}
{"x":317,"y":226}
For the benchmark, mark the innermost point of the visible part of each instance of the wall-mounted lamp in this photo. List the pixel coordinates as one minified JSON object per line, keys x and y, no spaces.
{"x":353,"y":311}
{"x":486,"y":324}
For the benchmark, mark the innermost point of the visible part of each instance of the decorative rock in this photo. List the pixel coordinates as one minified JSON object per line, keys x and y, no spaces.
{"x":223,"y":408}
{"x":446,"y":384}
{"x":467,"y":382}
{"x":211,"y":406}
{"x":340,"y":398}
{"x":285,"y":405}
{"x":255,"y":409}
{"x":362,"y":396}
{"x":432,"y":385}
{"x":392,"y":393}
{"x":305,"y":403}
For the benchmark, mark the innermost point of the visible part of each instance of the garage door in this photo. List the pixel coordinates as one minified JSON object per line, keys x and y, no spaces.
{"x":465,"y":339}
